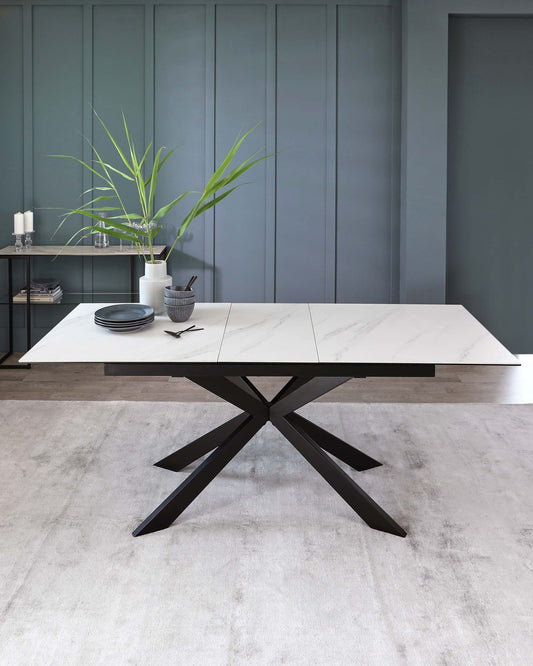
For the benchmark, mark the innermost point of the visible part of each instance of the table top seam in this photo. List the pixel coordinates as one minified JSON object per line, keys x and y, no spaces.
{"x":314,"y":335}
{"x":224,"y":333}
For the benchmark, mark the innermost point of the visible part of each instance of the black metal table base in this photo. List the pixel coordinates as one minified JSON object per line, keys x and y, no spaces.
{"x":223,"y":444}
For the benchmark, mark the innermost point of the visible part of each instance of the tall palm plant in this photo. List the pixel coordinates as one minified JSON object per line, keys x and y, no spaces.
{"x":107,"y":206}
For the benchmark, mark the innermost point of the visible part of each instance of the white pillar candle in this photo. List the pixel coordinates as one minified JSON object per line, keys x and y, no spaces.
{"x":28,"y":221}
{"x":19,"y":223}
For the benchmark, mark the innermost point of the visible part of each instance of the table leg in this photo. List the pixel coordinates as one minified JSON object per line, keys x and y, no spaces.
{"x":230,"y":390}
{"x":332,"y":444}
{"x":167,"y":512}
{"x":361,"y":503}
{"x":303,"y":393}
{"x":228,"y":439}
{"x":191,"y":452}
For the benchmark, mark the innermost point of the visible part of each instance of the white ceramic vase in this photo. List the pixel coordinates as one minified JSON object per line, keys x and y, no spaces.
{"x":152,"y":285}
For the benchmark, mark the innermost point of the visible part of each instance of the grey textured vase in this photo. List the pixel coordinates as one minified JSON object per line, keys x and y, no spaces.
{"x":179,"y":303}
{"x":179,"y":312}
{"x":176,"y":291}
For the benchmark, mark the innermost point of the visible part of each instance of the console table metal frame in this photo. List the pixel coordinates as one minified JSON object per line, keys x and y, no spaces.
{"x":231,"y":382}
{"x":50,"y":251}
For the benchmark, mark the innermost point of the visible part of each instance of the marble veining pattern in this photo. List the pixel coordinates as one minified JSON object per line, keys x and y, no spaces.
{"x":77,"y":339}
{"x":385,"y":333}
{"x":283,"y":333}
{"x":269,"y":333}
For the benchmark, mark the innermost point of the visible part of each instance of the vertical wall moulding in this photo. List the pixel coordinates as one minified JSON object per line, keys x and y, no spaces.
{"x":149,"y":101}
{"x":270,"y":199}
{"x":395,"y":162}
{"x":119,"y":85}
{"x":179,"y":121}
{"x":27,"y":73}
{"x":424,"y":128}
{"x":27,"y":59}
{"x":210,"y":129}
{"x":87,"y":129}
{"x":240,"y":223}
{"x":365,"y":138}
{"x":330,"y":227}
{"x":149,"y":94}
{"x":302,"y":153}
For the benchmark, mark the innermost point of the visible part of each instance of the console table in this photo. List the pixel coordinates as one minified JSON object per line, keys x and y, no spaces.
{"x":52,"y":251}
{"x":320,"y":345}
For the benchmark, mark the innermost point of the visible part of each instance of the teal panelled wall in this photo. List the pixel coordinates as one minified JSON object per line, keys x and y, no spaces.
{"x":346,"y":211}
{"x":12,"y":134}
{"x":241,"y":228}
{"x":319,"y":222}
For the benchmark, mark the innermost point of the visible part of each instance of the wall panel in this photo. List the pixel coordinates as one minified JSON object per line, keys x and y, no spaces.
{"x":179,"y":114}
{"x":11,"y":139}
{"x":57,"y":129}
{"x":118,"y":86}
{"x":364,"y":130}
{"x":11,"y":127}
{"x":301,"y":153}
{"x":240,"y":223}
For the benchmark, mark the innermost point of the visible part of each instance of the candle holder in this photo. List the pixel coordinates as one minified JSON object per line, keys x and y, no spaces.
{"x":18,"y":243}
{"x":28,"y":241}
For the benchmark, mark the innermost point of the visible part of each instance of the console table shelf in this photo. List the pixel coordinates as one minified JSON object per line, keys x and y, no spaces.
{"x":69,"y":298}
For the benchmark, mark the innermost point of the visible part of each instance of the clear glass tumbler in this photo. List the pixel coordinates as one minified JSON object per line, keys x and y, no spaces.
{"x":101,"y":239}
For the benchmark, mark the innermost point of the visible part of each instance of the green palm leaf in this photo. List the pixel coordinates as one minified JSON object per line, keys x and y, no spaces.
{"x":120,"y":225}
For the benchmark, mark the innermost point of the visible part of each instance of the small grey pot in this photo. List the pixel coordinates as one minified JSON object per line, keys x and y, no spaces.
{"x":179,"y":313}
{"x":174,"y":304}
{"x":175,"y":291}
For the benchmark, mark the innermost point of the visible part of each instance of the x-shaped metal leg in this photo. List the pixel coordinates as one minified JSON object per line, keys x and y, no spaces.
{"x":228,"y":439}
{"x":190,"y":453}
{"x":167,"y":512}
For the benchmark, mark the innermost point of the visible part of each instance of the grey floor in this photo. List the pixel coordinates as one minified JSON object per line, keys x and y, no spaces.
{"x":268,"y":566}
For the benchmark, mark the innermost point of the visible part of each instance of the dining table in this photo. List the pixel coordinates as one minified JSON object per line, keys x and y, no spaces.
{"x":316,"y":346}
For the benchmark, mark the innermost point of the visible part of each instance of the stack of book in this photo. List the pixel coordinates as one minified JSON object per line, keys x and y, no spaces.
{"x":44,"y":290}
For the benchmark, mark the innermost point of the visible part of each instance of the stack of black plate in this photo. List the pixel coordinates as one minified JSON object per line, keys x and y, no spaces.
{"x":124,"y":317}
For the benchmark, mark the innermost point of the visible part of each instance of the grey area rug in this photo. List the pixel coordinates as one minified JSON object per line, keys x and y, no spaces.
{"x":269,"y":565}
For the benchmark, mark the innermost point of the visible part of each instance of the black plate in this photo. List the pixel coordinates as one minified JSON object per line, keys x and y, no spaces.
{"x":124,"y":312}
{"x":131,"y":327}
{"x":124,"y":323}
{"x":113,"y":324}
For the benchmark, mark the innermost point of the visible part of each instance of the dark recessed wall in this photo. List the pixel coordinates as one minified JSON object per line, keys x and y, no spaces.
{"x":490,"y":174}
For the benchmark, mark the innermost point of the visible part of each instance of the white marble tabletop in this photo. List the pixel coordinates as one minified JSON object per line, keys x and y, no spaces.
{"x":77,"y":339}
{"x":392,"y":333}
{"x":269,"y":333}
{"x":282,"y":333}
